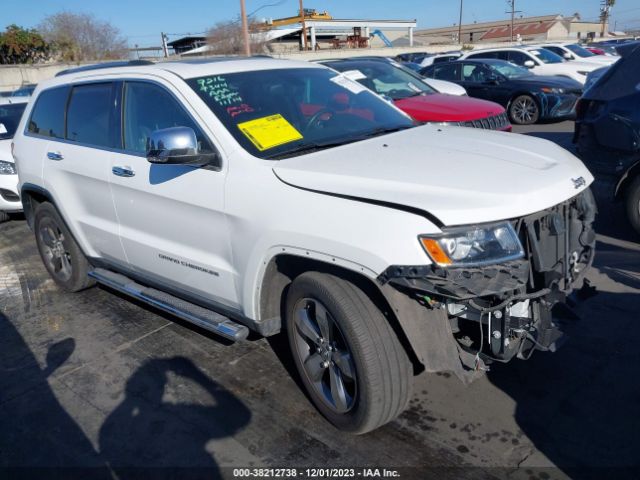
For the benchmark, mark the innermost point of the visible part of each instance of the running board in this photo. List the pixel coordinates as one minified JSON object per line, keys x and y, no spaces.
{"x":202,"y":317}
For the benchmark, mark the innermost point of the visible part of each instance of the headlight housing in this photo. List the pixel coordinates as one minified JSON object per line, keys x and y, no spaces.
{"x":473,"y":246}
{"x":552,"y":90}
{"x":7,"y":168}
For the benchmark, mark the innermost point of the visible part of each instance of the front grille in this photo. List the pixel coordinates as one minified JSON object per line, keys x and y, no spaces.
{"x":9,"y":196}
{"x":495,"y":122}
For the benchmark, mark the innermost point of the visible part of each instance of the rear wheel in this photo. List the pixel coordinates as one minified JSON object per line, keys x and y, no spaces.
{"x":524,"y":110}
{"x":633,"y":204}
{"x":60,"y":253}
{"x":350,"y":361}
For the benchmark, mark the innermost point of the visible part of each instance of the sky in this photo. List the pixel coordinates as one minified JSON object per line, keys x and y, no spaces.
{"x":141,"y":21}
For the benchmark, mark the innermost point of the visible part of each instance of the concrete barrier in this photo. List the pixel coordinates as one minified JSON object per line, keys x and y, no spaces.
{"x":14,"y":76}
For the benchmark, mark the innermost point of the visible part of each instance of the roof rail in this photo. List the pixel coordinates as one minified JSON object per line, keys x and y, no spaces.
{"x":99,"y":66}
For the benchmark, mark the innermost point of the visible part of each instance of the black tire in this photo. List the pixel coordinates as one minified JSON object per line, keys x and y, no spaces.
{"x":380,"y":387}
{"x":4,"y":216}
{"x":524,"y":110}
{"x":632,"y":200}
{"x":60,"y":253}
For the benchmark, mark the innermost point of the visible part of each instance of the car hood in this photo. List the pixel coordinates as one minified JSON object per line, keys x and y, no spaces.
{"x":438,"y":107}
{"x":459,"y":175}
{"x":600,"y":60}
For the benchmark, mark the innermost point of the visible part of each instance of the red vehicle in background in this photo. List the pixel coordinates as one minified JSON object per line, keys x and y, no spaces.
{"x":419,"y":100}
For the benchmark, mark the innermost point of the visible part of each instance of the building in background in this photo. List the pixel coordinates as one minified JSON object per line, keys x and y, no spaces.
{"x":543,"y":28}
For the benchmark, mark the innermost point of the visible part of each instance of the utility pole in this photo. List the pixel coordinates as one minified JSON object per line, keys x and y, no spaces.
{"x":304,"y":27}
{"x":605,"y":11}
{"x":512,"y":11}
{"x":460,"y":25}
{"x":165,"y":47}
{"x":245,"y":29}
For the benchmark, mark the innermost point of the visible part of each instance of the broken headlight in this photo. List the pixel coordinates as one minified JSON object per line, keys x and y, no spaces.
{"x":7,"y":168}
{"x":473,"y":246}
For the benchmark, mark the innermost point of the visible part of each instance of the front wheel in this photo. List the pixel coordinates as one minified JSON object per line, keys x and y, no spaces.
{"x":350,"y":361}
{"x":633,"y":204}
{"x":60,"y":253}
{"x":524,"y":110}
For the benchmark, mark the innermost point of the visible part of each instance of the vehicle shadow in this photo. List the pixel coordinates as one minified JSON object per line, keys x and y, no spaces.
{"x":579,"y":405}
{"x":37,"y":434}
{"x":152,"y":434}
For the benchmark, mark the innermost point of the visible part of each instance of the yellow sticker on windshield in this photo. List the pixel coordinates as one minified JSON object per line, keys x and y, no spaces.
{"x":269,"y":132}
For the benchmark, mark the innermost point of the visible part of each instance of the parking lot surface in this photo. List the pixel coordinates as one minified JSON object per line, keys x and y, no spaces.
{"x":93,"y":380}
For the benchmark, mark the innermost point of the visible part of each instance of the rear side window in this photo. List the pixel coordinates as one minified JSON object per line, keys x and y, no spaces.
{"x":450,"y":72}
{"x":90,"y":112}
{"x":47,"y":118}
{"x":498,"y":55}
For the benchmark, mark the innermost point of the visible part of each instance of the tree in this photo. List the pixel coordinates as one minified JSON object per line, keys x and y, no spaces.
{"x":80,"y":37}
{"x":225,"y":38}
{"x":19,"y":45}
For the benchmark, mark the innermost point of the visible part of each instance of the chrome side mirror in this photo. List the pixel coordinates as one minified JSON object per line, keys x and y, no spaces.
{"x":176,"y":146}
{"x":529,"y":64}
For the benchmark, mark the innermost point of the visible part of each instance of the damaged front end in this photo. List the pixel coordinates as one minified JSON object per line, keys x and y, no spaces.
{"x":498,"y":311}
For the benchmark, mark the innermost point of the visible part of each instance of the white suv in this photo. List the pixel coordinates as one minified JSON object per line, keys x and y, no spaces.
{"x":11,"y":110}
{"x":573,"y":51}
{"x":269,"y":195}
{"x":539,"y":60}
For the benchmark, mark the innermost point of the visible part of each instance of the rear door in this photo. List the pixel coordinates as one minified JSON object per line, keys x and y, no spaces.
{"x":172,"y":221}
{"x":77,"y":161}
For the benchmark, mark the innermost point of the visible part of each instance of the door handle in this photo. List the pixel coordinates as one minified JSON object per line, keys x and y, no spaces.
{"x":123,"y":171}
{"x":54,"y":156}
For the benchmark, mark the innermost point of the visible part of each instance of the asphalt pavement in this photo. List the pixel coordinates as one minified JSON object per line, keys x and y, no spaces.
{"x":109,"y":388}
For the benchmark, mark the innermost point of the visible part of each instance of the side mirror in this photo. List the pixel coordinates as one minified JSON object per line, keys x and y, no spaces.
{"x":529,"y":64}
{"x":567,"y":56}
{"x":3,"y":129}
{"x":176,"y":146}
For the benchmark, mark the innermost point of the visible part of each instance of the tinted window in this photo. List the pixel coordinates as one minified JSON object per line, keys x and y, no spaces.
{"x":9,"y":118}
{"x":448,"y":72}
{"x":487,"y":55}
{"x":475,"y":73}
{"x":518,"y":58}
{"x":47,"y":118}
{"x":449,"y":58}
{"x":556,"y":50}
{"x":149,"y":107}
{"x":90,"y":113}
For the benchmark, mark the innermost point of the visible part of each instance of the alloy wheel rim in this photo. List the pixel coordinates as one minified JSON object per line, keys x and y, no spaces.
{"x":55,"y":253}
{"x":325,"y":355}
{"x":524,"y":110}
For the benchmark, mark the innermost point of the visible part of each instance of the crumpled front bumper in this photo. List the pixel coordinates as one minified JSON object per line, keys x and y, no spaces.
{"x":512,"y":302}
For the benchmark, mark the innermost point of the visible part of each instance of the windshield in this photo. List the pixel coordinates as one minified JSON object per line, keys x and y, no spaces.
{"x":545,"y":56}
{"x":9,"y":118}
{"x":276,"y":113}
{"x":579,"y":51}
{"x":510,"y":70}
{"x":387,"y":79}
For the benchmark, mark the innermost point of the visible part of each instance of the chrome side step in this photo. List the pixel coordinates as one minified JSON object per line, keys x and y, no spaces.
{"x":202,"y":317}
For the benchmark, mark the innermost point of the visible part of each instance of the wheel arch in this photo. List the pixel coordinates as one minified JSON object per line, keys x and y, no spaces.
{"x":32,"y":196}
{"x":282,"y":270}
{"x":627,"y":179}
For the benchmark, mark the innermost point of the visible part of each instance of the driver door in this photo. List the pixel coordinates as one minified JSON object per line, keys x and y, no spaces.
{"x":172,"y":221}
